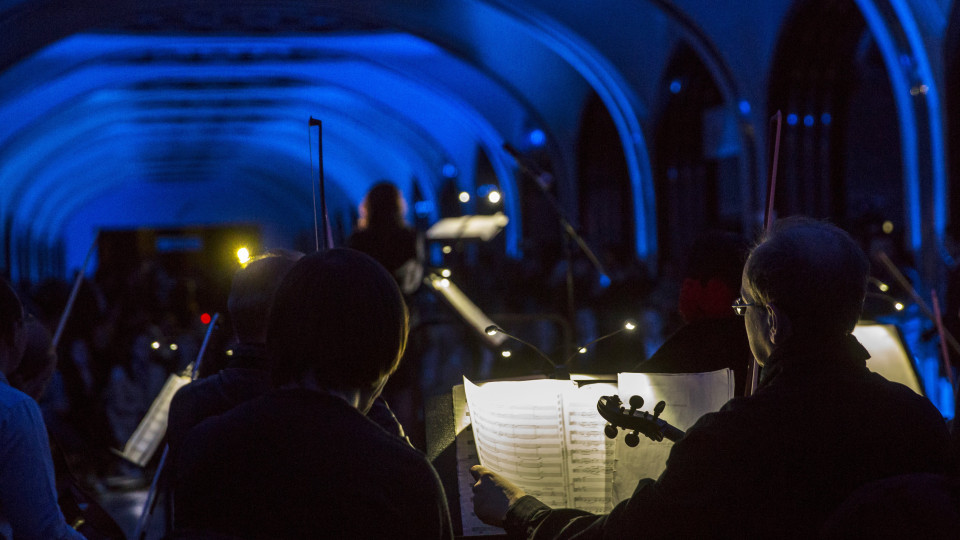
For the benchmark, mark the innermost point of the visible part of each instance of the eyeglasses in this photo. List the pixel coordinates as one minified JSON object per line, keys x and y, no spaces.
{"x":740,"y":307}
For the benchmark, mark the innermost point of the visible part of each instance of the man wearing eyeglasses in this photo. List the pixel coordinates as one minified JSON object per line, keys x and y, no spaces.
{"x":775,"y":464}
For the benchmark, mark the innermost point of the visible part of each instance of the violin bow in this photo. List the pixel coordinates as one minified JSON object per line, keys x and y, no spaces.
{"x":943,"y":342}
{"x":325,"y":222}
{"x":753,"y":371}
{"x":73,"y":294}
{"x":151,"y":499}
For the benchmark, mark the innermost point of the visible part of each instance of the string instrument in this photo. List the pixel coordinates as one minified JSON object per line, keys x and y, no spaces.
{"x":635,"y":421}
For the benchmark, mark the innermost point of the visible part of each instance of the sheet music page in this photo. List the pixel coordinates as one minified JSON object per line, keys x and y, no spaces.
{"x":466,"y":458}
{"x":688,"y":396}
{"x":590,"y":454}
{"x":519,"y":432}
{"x":146,"y":438}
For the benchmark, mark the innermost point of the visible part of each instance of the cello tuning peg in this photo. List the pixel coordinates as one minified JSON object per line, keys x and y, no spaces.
{"x":610,"y":431}
{"x":659,"y":408}
{"x":632,"y":439}
{"x":636,"y":402}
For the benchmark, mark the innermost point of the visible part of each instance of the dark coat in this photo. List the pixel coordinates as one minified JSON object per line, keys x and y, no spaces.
{"x":298,"y":463}
{"x":775,"y":464}
{"x":246,"y":377}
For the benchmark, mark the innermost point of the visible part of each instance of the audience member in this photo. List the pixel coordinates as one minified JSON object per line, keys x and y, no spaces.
{"x":777,"y":463}
{"x":303,"y":461}
{"x":248,"y":374}
{"x":28,"y":497}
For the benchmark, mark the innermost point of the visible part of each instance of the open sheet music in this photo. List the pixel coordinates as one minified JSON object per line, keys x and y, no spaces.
{"x":547,"y":437}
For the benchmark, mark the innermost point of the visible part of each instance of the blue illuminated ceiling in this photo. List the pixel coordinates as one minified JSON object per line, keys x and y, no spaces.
{"x":106,"y":130}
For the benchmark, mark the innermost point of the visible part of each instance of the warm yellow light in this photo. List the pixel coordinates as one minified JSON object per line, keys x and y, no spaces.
{"x":491,"y":331}
{"x":505,"y":354}
{"x":883,"y":287}
{"x":582,"y":350}
{"x":898,"y":306}
{"x":493,"y":197}
{"x":887,"y":227}
{"x":629,"y":325}
{"x":229,"y":352}
{"x":444,"y":282}
{"x":445,"y":272}
{"x":464,"y":197}
{"x":173,"y":346}
{"x":155,"y":345}
{"x":243,"y":254}
{"x":447,"y":250}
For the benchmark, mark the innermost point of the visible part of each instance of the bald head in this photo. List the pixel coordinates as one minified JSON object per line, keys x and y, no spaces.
{"x":813,"y":271}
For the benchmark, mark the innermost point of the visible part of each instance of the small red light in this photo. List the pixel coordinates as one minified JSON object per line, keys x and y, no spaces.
{"x":205,"y":318}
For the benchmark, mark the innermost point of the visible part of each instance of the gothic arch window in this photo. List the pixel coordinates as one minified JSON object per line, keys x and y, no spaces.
{"x":840,"y":144}
{"x":696,"y":173}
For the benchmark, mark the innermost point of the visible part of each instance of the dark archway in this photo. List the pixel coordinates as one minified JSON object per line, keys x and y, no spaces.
{"x":840,"y":148}
{"x":695,"y":169}
{"x":606,"y":209}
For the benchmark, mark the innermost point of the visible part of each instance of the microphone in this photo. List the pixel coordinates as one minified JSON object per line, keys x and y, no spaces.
{"x":628,"y":326}
{"x":559,"y":372}
{"x":540,"y":176}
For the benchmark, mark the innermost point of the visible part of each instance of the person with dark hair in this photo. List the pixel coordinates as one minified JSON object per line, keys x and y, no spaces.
{"x":38,"y":363}
{"x":775,"y":464}
{"x":303,"y":461}
{"x":383,"y":234}
{"x":248,"y":374}
{"x":712,"y":336}
{"x":28,"y":497}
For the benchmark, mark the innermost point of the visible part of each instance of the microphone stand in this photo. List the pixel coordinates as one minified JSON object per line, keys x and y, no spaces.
{"x":562,"y":371}
{"x":540,"y":178}
{"x":559,"y":372}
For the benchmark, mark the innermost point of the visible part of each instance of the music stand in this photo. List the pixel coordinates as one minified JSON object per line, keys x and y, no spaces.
{"x":145,"y":441}
{"x":479,"y":227}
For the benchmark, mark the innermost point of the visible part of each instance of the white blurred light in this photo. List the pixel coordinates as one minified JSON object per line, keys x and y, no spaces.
{"x":493,"y":197}
{"x":898,"y":306}
{"x":464,"y":197}
{"x":629,"y":325}
{"x":243,"y":254}
{"x":173,"y":346}
{"x":155,"y":345}
{"x":447,"y":250}
{"x":505,"y":354}
{"x":445,"y":272}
